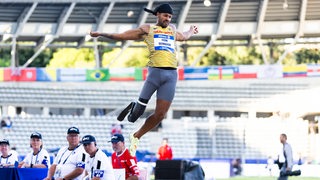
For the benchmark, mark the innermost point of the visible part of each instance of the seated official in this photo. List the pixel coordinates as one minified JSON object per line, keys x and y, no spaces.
{"x":7,"y":159}
{"x":38,"y":157}
{"x":122,"y":159}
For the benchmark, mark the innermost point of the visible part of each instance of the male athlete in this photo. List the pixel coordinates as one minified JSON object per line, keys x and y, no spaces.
{"x":162,"y":68}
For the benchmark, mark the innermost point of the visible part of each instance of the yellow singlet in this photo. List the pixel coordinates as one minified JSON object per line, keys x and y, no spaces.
{"x":161,"y":44}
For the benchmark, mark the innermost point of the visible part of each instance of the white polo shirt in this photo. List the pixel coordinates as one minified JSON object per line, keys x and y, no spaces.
{"x":42,"y":157}
{"x":100,"y":166}
{"x":67,"y":160}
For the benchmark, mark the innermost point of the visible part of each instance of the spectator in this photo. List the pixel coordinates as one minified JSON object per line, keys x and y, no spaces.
{"x":70,"y":160}
{"x":121,"y":158}
{"x":7,"y":159}
{"x":164,"y":151}
{"x":6,"y":124}
{"x":38,"y":157}
{"x":116,"y":129}
{"x":3,"y":124}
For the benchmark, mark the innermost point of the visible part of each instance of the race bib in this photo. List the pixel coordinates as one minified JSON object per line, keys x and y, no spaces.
{"x":164,"y":42}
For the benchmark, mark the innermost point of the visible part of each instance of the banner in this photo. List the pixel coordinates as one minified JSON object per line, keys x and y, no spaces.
{"x":65,"y":74}
{"x":97,"y":75}
{"x":295,"y":71}
{"x":138,"y":74}
{"x":46,"y":74}
{"x":1,"y":74}
{"x":245,"y":71}
{"x":269,"y":71}
{"x":122,"y":74}
{"x":220,"y":72}
{"x":17,"y":74}
{"x":313,"y":70}
{"x":191,"y":73}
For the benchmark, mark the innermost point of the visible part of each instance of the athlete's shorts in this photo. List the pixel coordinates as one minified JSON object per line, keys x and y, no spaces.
{"x":161,"y":80}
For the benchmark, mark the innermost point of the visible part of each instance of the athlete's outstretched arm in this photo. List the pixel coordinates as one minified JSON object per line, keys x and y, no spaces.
{"x":133,"y":34}
{"x":187,"y":34}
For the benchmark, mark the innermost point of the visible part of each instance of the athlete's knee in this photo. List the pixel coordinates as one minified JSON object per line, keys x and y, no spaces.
{"x":138,"y":109}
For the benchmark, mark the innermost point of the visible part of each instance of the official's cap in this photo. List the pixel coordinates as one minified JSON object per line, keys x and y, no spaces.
{"x":36,"y":135}
{"x":116,"y":138}
{"x":4,"y":141}
{"x":73,"y":130}
{"x":87,"y":139}
{"x":162,"y":8}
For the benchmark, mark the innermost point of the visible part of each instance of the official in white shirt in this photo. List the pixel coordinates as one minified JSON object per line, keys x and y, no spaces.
{"x":38,"y":157}
{"x":98,"y":165}
{"x":70,"y":160}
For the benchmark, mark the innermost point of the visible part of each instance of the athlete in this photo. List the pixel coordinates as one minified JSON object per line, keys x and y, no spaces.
{"x":162,"y":68}
{"x":38,"y":157}
{"x":7,"y":159}
{"x":70,"y":160}
{"x":121,"y":158}
{"x":98,"y":165}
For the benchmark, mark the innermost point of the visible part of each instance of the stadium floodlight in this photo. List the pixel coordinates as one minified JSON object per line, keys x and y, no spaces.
{"x":207,"y":3}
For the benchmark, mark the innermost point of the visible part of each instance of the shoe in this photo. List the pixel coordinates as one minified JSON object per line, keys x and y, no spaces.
{"x":134,"y":142}
{"x":125,"y":111}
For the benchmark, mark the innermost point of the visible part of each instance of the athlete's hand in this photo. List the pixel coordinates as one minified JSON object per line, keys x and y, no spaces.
{"x":94,"y":34}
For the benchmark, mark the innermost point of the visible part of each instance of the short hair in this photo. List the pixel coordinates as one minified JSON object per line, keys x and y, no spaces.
{"x":284,"y":135}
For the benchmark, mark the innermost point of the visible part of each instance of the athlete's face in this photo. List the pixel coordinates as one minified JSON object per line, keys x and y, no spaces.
{"x":164,"y":19}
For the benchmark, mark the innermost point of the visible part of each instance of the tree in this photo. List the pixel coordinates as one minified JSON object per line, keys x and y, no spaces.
{"x":307,"y":56}
{"x":131,"y":57}
{"x":5,"y":57}
{"x":73,"y":58}
{"x":23,"y":56}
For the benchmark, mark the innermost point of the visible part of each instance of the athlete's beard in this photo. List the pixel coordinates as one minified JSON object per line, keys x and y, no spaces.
{"x":163,"y":24}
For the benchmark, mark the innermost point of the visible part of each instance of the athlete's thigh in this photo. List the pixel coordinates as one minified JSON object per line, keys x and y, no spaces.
{"x":151,"y":84}
{"x":167,"y":89}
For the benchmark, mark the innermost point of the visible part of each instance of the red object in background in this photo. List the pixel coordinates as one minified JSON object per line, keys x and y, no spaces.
{"x":144,"y":73}
{"x":180,"y":73}
{"x":165,"y":152}
{"x":17,"y":74}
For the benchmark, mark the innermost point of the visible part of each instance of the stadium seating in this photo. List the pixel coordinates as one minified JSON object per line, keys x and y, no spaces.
{"x":191,"y":137}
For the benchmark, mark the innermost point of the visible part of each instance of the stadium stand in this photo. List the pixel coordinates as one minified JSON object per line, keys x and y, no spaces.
{"x":211,"y":136}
